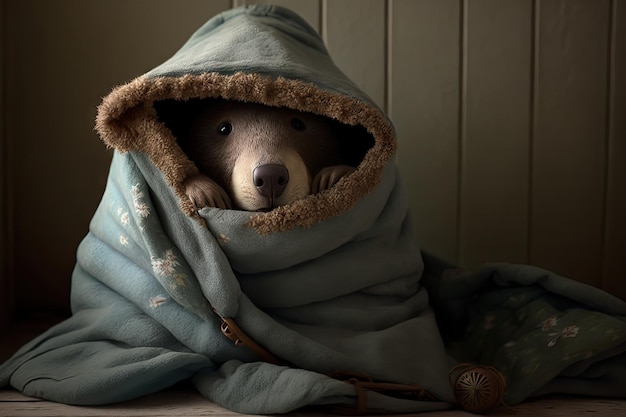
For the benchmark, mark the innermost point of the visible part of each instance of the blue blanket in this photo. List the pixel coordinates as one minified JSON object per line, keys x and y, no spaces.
{"x":325,"y":301}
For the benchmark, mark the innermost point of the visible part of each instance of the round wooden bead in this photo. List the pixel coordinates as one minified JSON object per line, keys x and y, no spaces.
{"x":479,"y":389}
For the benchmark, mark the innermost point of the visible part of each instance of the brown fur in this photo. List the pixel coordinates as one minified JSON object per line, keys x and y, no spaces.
{"x":127,"y":121}
{"x":309,"y":150}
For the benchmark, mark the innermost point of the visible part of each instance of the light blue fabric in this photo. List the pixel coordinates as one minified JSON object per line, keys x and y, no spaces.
{"x":267,"y":40}
{"x":148,"y":278}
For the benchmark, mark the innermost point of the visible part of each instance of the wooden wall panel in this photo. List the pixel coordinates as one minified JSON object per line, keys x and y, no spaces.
{"x":570,"y":137}
{"x":424,"y":105}
{"x":64,"y":56}
{"x":6,"y":253}
{"x":362,"y":56}
{"x":496,"y":133}
{"x":615,"y":246}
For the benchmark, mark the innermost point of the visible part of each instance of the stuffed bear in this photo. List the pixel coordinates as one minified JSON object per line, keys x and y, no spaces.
{"x":255,"y":157}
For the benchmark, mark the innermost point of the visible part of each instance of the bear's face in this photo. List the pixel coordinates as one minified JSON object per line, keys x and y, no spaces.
{"x":263,"y":157}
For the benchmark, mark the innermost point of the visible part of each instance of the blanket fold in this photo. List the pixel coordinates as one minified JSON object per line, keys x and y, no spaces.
{"x":543,"y":332}
{"x":262,"y":311}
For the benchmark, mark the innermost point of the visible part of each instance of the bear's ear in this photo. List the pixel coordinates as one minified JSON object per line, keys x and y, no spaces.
{"x":178,"y":115}
{"x":355,"y":141}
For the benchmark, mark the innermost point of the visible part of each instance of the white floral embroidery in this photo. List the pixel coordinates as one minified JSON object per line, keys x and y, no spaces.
{"x":178,"y":281}
{"x":136,"y":192}
{"x":223,"y":239}
{"x":157,"y":301}
{"x":124,"y":218}
{"x":547,"y":324}
{"x":123,"y":240}
{"x":141,"y":208}
{"x":166,"y":266}
{"x":569,"y":331}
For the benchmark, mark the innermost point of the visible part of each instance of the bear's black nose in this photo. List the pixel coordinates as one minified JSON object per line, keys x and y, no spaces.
{"x":270,"y":180}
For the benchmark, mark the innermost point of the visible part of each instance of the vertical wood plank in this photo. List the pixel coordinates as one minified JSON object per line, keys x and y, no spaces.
{"x":570,"y":138}
{"x":354,"y":33}
{"x":494,"y":184}
{"x":6,"y":296}
{"x":61,"y":58}
{"x":614,"y":279}
{"x":424,"y":105}
{"x":309,"y":10}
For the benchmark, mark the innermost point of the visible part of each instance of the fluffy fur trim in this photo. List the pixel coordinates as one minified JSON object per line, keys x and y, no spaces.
{"x":127,"y":120}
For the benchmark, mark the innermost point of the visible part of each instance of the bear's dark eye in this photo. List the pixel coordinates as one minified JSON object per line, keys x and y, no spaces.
{"x":297,"y":124}
{"x":224,"y":128}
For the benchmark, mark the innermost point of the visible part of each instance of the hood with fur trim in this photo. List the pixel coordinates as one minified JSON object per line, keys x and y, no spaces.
{"x":260,"y":54}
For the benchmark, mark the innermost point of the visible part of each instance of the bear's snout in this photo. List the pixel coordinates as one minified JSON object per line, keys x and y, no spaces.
{"x":265,"y":178}
{"x":270,"y":180}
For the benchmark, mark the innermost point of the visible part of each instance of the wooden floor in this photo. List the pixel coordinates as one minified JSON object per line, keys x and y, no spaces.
{"x":187,"y":402}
